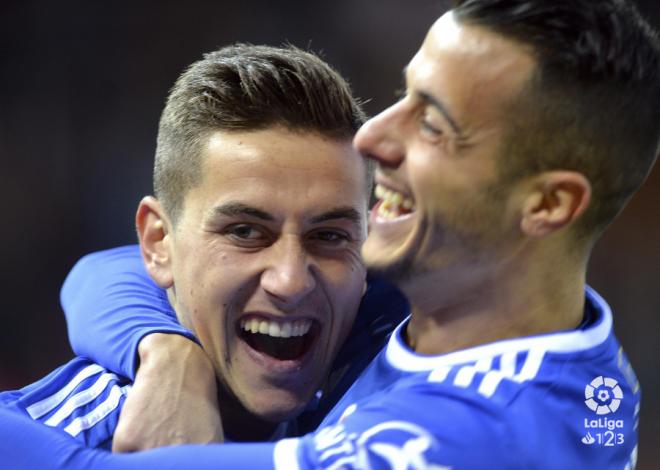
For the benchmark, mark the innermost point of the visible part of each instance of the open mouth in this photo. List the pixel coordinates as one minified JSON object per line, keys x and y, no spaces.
{"x":392,"y":204}
{"x":280,"y":340}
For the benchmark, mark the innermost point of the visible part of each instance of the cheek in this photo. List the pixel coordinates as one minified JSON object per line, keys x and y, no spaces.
{"x":345,"y":276}
{"x":427,"y":178}
{"x":345,"y":291}
{"x":210,"y":298}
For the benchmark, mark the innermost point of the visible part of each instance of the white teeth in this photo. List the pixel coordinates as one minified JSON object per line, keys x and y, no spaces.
{"x":277,"y":329}
{"x":391,"y":202}
{"x":274,"y":330}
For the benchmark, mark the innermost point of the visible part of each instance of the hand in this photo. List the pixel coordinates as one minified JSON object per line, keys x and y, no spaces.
{"x":174,"y":398}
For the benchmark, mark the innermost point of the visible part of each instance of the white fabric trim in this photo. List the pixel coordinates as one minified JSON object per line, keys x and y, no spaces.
{"x":42,"y":407}
{"x":97,"y":414}
{"x":285,"y":454}
{"x":80,"y":399}
{"x":401,"y":357}
{"x":530,"y":368}
{"x":466,"y":374}
{"x":508,"y":363}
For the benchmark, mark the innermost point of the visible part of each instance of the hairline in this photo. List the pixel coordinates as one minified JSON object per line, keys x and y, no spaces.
{"x":199,"y":154}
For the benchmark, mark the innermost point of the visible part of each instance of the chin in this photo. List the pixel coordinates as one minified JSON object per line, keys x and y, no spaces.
{"x":275,"y":409}
{"x":393,"y":259}
{"x":279,"y":414}
{"x":396,"y":268}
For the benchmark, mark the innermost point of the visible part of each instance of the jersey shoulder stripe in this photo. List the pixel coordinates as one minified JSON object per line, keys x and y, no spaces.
{"x":487,"y":373}
{"x":81,"y":398}
{"x":48,"y":404}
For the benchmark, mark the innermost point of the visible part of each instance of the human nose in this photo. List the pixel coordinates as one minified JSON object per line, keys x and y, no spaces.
{"x":381,"y":138}
{"x":289,"y":277}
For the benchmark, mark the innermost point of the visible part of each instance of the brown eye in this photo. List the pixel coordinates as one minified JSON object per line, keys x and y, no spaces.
{"x":331,"y":237}
{"x":244,"y":231}
{"x":246,"y":234}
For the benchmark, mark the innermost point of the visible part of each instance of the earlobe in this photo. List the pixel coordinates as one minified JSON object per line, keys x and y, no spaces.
{"x":153,"y":229}
{"x":556,"y":200}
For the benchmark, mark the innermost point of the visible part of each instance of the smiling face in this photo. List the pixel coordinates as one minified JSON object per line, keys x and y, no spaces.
{"x":442,"y":211}
{"x":265,"y":262}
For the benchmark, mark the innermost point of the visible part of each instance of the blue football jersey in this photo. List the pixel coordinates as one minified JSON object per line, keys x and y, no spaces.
{"x":557,"y":401}
{"x":566,"y":400}
{"x":111,"y":303}
{"x":80,"y":398}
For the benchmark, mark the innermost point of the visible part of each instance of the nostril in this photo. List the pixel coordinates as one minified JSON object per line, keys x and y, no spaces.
{"x":387,"y":154}
{"x":288,"y":286}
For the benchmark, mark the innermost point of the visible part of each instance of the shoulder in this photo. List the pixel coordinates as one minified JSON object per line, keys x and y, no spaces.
{"x":414,"y":425}
{"x":126,"y":253}
{"x":81,"y":398}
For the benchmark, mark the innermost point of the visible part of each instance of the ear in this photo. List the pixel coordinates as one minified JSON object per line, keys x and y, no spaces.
{"x":556,"y":200}
{"x":154,"y":232}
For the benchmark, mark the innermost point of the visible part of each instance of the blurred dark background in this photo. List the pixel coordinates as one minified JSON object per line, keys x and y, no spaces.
{"x":82,"y":85}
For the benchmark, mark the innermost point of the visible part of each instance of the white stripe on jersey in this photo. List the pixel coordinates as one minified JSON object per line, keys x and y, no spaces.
{"x":42,"y":407}
{"x":508,"y":363}
{"x":97,"y":414}
{"x":80,"y":399}
{"x":439,"y":374}
{"x":466,"y":374}
{"x":285,"y":454}
{"x":530,"y":368}
{"x":492,"y":378}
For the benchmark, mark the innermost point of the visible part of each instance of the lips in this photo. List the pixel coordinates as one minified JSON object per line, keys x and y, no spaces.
{"x":281,"y":340}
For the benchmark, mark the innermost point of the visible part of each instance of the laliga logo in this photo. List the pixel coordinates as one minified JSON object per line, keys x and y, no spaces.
{"x":603,"y":395}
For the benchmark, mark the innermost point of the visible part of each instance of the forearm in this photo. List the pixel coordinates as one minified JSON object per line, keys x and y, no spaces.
{"x":26,"y":444}
{"x":110,"y":304}
{"x":174,"y":398}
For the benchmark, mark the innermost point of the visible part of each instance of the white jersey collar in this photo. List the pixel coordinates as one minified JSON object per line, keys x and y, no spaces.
{"x":400,"y":356}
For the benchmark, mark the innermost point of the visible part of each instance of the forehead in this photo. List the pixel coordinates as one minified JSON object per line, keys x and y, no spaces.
{"x":471,"y":67}
{"x":279,"y":170}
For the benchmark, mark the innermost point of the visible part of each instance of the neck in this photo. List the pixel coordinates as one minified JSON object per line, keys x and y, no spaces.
{"x":239,"y":424}
{"x":502,"y":305}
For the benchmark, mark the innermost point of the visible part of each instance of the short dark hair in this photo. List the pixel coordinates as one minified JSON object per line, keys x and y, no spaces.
{"x":244,"y":87}
{"x":593,"y":102}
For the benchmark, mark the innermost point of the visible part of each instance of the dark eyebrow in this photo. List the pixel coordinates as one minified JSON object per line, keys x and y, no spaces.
{"x":437,"y":104}
{"x":348,"y":213}
{"x":233,"y":208}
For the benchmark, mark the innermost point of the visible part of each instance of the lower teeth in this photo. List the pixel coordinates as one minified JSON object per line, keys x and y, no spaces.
{"x":389,"y":212}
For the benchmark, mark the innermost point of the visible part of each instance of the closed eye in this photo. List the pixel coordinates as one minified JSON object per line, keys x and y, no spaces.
{"x":428,"y":128}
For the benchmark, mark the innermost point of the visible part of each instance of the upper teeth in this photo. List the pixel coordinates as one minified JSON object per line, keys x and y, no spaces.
{"x":278,"y":329}
{"x":394,"y":198}
{"x":392,"y":201}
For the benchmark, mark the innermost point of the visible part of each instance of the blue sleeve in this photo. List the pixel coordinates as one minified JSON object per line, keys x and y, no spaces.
{"x":110,"y":304}
{"x":377,"y":436}
{"x":26,"y":444}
